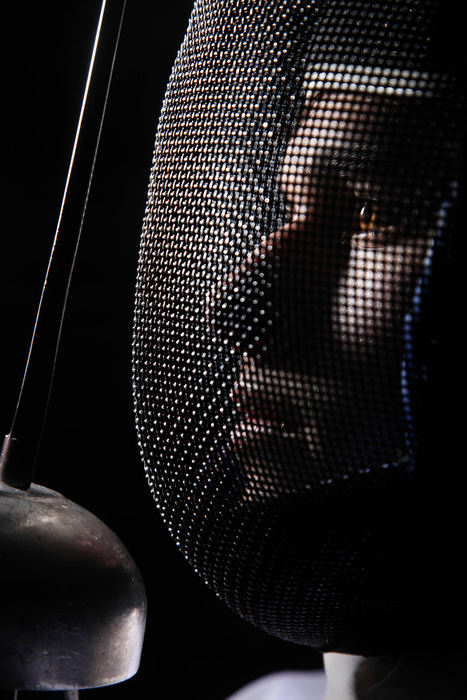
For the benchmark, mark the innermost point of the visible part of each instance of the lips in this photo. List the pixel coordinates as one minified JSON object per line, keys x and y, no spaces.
{"x":256,"y":413}
{"x":269,"y":438}
{"x":264,"y":401}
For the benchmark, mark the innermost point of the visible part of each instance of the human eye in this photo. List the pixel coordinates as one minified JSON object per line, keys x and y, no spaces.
{"x":376,"y":224}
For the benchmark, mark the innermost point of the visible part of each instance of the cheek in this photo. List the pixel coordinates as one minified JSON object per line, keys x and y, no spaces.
{"x":374,"y":294}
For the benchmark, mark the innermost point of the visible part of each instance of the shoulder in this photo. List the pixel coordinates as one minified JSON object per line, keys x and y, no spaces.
{"x":286,"y":685}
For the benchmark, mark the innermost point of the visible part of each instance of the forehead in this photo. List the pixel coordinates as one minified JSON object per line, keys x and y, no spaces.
{"x":331,"y":118}
{"x":379,"y":135}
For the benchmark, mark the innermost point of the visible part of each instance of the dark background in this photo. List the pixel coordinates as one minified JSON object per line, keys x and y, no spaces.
{"x":194,"y":646}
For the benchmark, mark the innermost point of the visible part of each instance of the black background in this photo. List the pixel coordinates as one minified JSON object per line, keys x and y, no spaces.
{"x":194,"y":646}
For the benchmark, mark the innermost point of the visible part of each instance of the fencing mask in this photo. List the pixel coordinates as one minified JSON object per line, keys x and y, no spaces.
{"x":297,"y":308}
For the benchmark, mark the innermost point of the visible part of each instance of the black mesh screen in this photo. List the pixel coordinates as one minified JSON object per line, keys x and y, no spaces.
{"x":300,"y":215}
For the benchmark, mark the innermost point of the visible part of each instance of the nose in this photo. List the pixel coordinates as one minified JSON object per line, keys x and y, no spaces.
{"x":252,"y":310}
{"x":242,"y":307}
{"x":279,"y":301}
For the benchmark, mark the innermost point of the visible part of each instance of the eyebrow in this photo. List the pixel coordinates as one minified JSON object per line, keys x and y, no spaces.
{"x":397,"y":147}
{"x":396,"y":159}
{"x":355,"y":158}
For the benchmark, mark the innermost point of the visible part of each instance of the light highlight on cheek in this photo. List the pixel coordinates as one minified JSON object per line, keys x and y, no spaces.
{"x":375,"y":291}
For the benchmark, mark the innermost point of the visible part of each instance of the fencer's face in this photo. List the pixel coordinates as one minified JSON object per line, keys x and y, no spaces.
{"x":317,"y":311}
